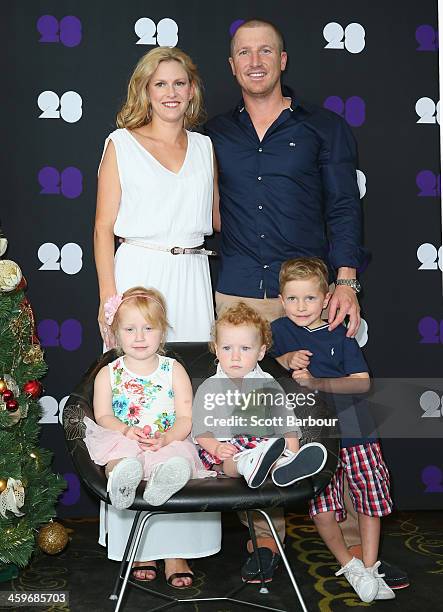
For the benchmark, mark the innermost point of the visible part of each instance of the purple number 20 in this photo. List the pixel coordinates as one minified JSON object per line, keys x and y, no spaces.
{"x":68,"y":31}
{"x":69,"y":182}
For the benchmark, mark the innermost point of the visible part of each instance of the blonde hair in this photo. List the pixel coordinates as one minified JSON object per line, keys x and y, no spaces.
{"x":242,"y":314}
{"x":137,"y":110}
{"x":151,"y":305}
{"x":258,"y":23}
{"x":304,"y":268}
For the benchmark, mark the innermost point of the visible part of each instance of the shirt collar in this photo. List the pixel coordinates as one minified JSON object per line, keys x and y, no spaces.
{"x":257,"y":372}
{"x":296,"y":103}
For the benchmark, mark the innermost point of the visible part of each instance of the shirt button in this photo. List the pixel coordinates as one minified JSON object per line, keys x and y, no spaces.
{"x":265,"y":267}
{"x":262,"y":236}
{"x":260,"y":207}
{"x":260,"y":150}
{"x":259,"y":178}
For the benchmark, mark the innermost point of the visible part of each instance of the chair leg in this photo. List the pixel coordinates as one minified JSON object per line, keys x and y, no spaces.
{"x":121,"y":569}
{"x":136,"y":542}
{"x":263,"y":588}
{"x":285,"y":560}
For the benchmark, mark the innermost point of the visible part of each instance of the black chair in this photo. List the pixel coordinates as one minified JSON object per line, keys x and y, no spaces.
{"x":203,"y":495}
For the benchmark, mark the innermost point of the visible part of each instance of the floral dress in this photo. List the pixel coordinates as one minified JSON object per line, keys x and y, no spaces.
{"x":143,"y":400}
{"x":146,"y":402}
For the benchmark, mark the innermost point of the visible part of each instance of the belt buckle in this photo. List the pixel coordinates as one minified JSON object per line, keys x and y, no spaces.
{"x":177,"y":250}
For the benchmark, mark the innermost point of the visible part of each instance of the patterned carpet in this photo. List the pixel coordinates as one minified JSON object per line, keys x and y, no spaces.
{"x":412,"y":540}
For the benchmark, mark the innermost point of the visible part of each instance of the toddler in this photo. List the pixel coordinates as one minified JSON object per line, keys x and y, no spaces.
{"x":240,"y":339}
{"x":142,"y":406}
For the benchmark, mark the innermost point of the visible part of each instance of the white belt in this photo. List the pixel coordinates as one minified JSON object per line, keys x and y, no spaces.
{"x":199,"y":250}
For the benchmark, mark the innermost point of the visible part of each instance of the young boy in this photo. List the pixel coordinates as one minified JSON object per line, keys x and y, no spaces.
{"x":329,"y":361}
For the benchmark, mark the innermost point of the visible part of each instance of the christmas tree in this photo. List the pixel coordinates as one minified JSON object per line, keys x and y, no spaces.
{"x":28,"y":488}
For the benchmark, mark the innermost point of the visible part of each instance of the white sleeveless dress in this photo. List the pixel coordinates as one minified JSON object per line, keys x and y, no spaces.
{"x":160,"y":207}
{"x":167,"y":209}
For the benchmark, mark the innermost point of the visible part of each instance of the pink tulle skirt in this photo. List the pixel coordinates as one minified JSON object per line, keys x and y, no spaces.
{"x":104,"y":445}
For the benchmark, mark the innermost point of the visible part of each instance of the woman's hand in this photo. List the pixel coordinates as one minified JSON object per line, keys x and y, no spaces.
{"x":103,"y":326}
{"x":225,"y":450}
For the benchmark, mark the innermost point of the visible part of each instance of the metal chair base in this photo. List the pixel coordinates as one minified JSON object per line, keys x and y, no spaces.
{"x":131,"y":549}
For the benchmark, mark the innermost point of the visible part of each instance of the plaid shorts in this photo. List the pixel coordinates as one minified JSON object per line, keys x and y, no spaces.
{"x":240,"y":442}
{"x":368,"y":479}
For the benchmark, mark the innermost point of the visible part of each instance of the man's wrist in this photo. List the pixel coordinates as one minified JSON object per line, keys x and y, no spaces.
{"x":349,"y":282}
{"x":346,"y":273}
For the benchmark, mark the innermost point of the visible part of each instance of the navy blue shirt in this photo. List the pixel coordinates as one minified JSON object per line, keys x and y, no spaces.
{"x":293,"y":194}
{"x":333,"y":356}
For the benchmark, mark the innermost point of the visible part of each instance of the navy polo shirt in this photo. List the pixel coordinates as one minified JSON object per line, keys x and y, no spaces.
{"x":292,"y":194}
{"x":333,"y":356}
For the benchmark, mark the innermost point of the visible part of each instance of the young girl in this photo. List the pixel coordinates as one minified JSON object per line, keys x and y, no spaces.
{"x":241,"y":338}
{"x":142,"y":406}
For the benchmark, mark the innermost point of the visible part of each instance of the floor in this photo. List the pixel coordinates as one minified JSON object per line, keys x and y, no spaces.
{"x":413,"y":541}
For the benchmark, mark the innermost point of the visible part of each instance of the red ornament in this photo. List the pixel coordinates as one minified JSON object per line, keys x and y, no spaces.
{"x":8,"y":395}
{"x":12,"y":405}
{"x":33,"y":388}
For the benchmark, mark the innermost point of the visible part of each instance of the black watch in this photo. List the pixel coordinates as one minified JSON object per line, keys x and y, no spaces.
{"x":349,"y":282}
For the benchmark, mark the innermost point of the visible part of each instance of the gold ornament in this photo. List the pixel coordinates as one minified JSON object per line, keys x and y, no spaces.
{"x":10,"y":275}
{"x":34,"y":355}
{"x":16,"y":326}
{"x":3,"y":386}
{"x":52,"y":538}
{"x":3,"y":484}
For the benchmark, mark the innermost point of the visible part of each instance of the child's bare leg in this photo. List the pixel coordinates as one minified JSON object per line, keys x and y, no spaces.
{"x":110,"y":466}
{"x":230,"y":468}
{"x":292,"y":443}
{"x":369,"y":527}
{"x":144,"y":574}
{"x":331,"y":535}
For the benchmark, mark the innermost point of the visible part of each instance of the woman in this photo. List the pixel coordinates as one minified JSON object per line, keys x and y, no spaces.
{"x":155,"y":191}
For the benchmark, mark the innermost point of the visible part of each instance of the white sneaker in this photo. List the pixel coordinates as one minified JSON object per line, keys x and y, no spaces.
{"x":309,"y":460}
{"x":384,"y":592}
{"x":362,"y":580}
{"x":123,"y":482}
{"x":166,"y":479}
{"x":255,"y":463}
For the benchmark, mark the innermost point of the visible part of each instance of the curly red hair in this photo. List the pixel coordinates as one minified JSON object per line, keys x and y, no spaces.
{"x":242,"y":314}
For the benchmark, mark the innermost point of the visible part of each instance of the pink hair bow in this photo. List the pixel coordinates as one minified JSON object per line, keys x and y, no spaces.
{"x":111,"y":307}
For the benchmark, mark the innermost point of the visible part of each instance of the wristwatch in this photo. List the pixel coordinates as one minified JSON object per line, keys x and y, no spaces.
{"x":349,"y":282}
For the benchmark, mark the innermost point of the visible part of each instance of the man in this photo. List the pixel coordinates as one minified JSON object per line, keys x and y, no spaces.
{"x":288,"y":188}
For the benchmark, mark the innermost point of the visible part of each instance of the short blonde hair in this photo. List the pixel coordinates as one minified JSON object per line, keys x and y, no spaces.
{"x":258,"y":23}
{"x":242,"y":314}
{"x":152,"y":306}
{"x":303,"y":268}
{"x":136,"y":111}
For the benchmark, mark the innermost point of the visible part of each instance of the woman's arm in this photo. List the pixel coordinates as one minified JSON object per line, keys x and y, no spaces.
{"x":108,"y":201}
{"x":216,"y":220}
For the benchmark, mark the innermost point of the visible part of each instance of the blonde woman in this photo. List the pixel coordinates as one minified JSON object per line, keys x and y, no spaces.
{"x":156,"y":192}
